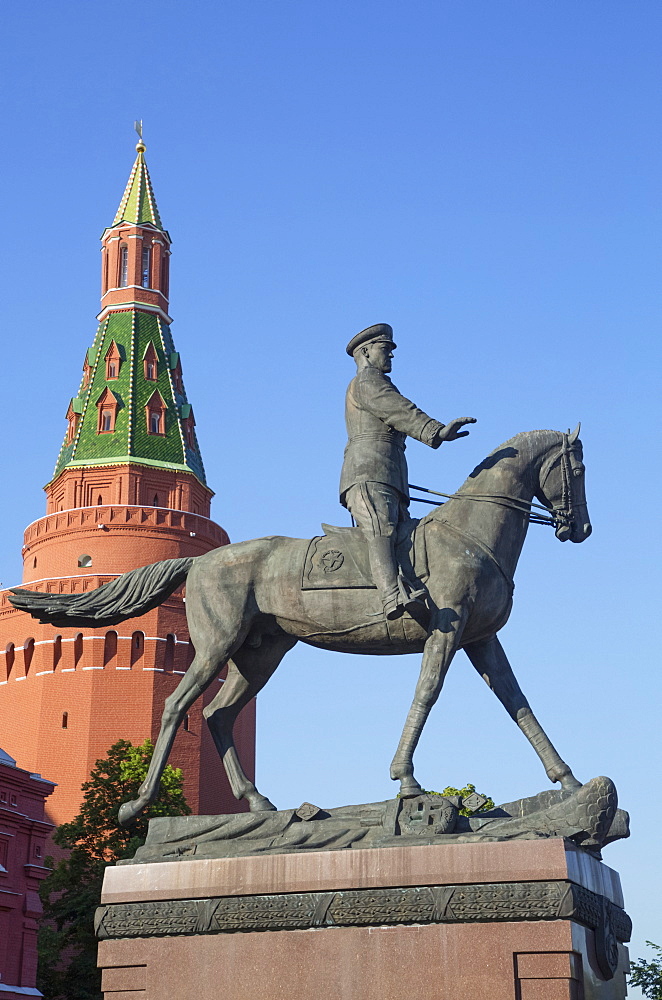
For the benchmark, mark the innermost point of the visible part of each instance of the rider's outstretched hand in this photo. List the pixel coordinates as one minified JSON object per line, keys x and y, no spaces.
{"x":451,"y":432}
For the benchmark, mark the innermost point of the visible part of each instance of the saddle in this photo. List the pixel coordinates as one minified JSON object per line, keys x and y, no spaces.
{"x":338,"y":559}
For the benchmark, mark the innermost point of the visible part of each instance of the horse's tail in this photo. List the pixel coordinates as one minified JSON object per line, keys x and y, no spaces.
{"x":128,"y":596}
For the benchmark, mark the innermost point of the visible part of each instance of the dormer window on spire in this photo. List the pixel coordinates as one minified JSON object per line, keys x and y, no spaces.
{"x":113,"y":362}
{"x":155,"y":412}
{"x":188,"y":424}
{"x":73,"y":417}
{"x":87,"y":372}
{"x":151,"y":363}
{"x":107,"y":407}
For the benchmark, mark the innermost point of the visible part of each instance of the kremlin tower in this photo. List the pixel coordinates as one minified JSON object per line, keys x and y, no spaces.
{"x":128,"y":489}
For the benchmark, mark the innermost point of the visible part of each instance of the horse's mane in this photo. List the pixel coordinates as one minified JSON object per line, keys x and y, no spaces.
{"x":530,"y":445}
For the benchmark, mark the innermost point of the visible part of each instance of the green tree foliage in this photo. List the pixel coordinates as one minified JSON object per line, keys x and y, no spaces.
{"x":94,"y":839}
{"x":463,"y":793}
{"x":648,"y":975}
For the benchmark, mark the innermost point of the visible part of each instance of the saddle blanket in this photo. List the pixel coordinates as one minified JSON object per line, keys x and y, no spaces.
{"x":339,"y":558}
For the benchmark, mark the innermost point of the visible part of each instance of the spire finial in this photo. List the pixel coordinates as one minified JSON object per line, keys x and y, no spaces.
{"x":138,"y":126}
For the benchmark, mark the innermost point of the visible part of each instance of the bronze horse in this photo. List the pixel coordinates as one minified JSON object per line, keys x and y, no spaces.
{"x":245,"y":607}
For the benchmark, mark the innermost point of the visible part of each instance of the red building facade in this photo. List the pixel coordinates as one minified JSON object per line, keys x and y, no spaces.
{"x":23,"y":834}
{"x":128,"y":489}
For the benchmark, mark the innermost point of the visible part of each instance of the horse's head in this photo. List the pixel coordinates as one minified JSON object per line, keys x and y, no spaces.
{"x":561,"y":488}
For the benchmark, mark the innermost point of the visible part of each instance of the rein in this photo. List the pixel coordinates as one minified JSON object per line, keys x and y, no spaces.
{"x":554,"y":517}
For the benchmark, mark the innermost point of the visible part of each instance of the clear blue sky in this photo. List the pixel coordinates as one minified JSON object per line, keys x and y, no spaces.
{"x":485,"y":177}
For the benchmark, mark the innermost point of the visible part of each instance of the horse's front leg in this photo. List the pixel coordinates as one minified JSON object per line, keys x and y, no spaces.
{"x":439,"y":650}
{"x":492,"y":664}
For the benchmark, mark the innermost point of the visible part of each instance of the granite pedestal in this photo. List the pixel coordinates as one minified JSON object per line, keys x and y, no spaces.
{"x":523,"y":920}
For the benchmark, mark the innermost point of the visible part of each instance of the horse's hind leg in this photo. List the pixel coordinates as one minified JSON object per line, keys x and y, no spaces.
{"x":248,"y":672}
{"x":491,"y":662}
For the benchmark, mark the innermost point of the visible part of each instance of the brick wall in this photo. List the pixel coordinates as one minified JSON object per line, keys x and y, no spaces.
{"x":66,"y":695}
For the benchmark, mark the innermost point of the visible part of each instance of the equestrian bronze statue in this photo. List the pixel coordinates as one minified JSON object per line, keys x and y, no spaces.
{"x":250,"y":602}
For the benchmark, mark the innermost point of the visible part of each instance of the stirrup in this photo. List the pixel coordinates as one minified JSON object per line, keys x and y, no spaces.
{"x":412,"y":598}
{"x":394,"y":608}
{"x":416,"y":601}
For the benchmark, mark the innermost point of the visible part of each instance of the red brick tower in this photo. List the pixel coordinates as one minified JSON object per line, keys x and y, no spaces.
{"x":128,"y":489}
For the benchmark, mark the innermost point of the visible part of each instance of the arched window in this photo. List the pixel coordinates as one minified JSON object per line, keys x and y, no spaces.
{"x":28,"y":653}
{"x":106,"y":421}
{"x":146,"y":267}
{"x":155,"y":501}
{"x":154,"y":423}
{"x":164,"y":275}
{"x":65,"y":720}
{"x":169,"y":658}
{"x":109,"y":647}
{"x":78,"y":648}
{"x":34,"y":563}
{"x":124,"y":266}
{"x":57,"y":651}
{"x":99,"y":501}
{"x":84,"y":561}
{"x":137,"y":647}
{"x":9,"y":659}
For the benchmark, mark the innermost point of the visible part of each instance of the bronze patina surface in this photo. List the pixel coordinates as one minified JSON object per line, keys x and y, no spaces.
{"x":250,"y":602}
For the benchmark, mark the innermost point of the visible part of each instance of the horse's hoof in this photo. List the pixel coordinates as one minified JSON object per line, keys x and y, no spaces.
{"x":409,"y":788}
{"x":260,"y":803}
{"x":129,"y":811}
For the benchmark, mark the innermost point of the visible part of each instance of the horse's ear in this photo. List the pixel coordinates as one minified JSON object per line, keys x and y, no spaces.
{"x":575,"y":434}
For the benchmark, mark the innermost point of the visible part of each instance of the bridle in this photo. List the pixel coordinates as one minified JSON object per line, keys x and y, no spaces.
{"x":562,"y":515}
{"x":557,"y":517}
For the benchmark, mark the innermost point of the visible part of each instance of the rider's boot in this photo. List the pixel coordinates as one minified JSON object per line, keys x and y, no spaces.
{"x":384,"y":569}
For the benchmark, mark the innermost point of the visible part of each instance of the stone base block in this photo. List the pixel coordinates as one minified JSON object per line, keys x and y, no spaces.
{"x":527,"y":920}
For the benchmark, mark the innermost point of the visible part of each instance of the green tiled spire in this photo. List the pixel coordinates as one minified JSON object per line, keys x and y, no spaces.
{"x":138,"y":204}
{"x":145,"y":374}
{"x":132,"y":331}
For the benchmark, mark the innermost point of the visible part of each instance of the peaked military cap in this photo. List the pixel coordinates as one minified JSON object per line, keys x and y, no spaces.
{"x":380,"y":331}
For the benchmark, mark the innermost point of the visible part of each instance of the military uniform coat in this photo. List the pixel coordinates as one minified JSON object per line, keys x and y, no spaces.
{"x":379,"y":419}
